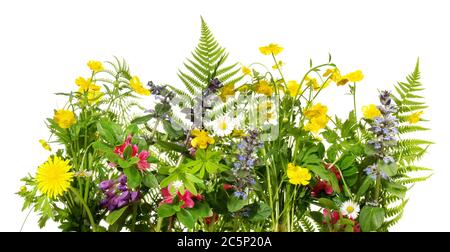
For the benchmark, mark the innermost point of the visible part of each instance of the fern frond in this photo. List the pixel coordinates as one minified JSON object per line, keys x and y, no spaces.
{"x":207,"y":63}
{"x":307,"y":224}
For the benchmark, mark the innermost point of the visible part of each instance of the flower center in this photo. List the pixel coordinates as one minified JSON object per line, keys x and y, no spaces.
{"x":223,"y":125}
{"x":350,"y":209}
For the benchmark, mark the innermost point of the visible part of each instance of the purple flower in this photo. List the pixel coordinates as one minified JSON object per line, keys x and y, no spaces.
{"x":122,"y":188}
{"x":117,"y":194}
{"x":239,"y":194}
{"x":123,"y":179}
{"x":106,"y":184}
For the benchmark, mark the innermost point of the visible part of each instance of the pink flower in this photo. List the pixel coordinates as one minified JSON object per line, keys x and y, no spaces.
{"x":187,"y":198}
{"x":143,"y":164}
{"x":168,"y":198}
{"x":332,"y":216}
{"x":120,"y":149}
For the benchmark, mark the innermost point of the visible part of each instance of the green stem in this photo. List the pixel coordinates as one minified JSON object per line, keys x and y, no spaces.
{"x":86,"y":208}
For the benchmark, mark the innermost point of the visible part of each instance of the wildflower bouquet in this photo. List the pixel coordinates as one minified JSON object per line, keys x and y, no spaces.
{"x":239,"y":148}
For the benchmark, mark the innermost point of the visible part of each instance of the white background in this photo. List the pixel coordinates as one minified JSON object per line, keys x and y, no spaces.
{"x":44,"y":46}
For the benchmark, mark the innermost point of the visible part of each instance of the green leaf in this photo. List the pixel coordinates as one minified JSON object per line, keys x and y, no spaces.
{"x":115,"y":215}
{"x":262,"y":213}
{"x":133,"y":177}
{"x":201,"y":210}
{"x":330,"y":135}
{"x":171,"y":131}
{"x":171,"y":146}
{"x":165,"y":210}
{"x":327,"y":203}
{"x":141,"y":119}
{"x":390,"y":169}
{"x":395,"y":189}
{"x":367,"y":182}
{"x":235,"y":204}
{"x":371,"y":218}
{"x":185,"y":218}
{"x":150,"y":180}
{"x":190,"y":186}
{"x":326,"y":175}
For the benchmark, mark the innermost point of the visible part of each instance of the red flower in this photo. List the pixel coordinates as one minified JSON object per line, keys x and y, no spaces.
{"x":227,"y":187}
{"x":332,"y":216}
{"x":356,"y":227}
{"x":143,"y":164}
{"x":322,"y":186}
{"x":120,"y":149}
{"x":208,"y":219}
{"x":335,"y":170}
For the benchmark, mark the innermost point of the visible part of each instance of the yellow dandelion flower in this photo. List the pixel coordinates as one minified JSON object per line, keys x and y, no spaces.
{"x":53,"y":177}
{"x":370,"y":111}
{"x":95,"y":66}
{"x":271,"y":49}
{"x":45,"y":145}
{"x":201,"y":139}
{"x":64,"y":118}
{"x":298,"y":175}
{"x":415,"y":117}
{"x":136,"y":85}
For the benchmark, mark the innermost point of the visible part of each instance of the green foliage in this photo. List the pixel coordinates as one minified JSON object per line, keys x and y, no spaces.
{"x":208,"y":62}
{"x":409,"y":150}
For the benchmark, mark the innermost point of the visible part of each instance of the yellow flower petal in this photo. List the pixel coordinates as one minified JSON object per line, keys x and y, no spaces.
{"x":370,"y":111}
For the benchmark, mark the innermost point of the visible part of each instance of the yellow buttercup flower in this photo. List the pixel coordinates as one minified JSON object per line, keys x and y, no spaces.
{"x":246,"y":71}
{"x":271,"y":49}
{"x":415,"y":117}
{"x":201,"y":139}
{"x":263,"y":88}
{"x":95,"y":66}
{"x":45,"y":145}
{"x":83,"y":83}
{"x":333,"y":73}
{"x":316,"y":110}
{"x":136,"y":85}
{"x":354,"y":76}
{"x":318,"y":119}
{"x":298,"y":175}
{"x":370,"y":111}
{"x":64,"y":118}
{"x":53,"y":177}
{"x":293,"y":87}
{"x":227,"y":90}
{"x":317,"y":123}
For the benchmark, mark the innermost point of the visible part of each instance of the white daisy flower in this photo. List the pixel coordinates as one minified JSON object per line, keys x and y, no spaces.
{"x":222,"y":126}
{"x":350,"y":209}
{"x":177,"y":184}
